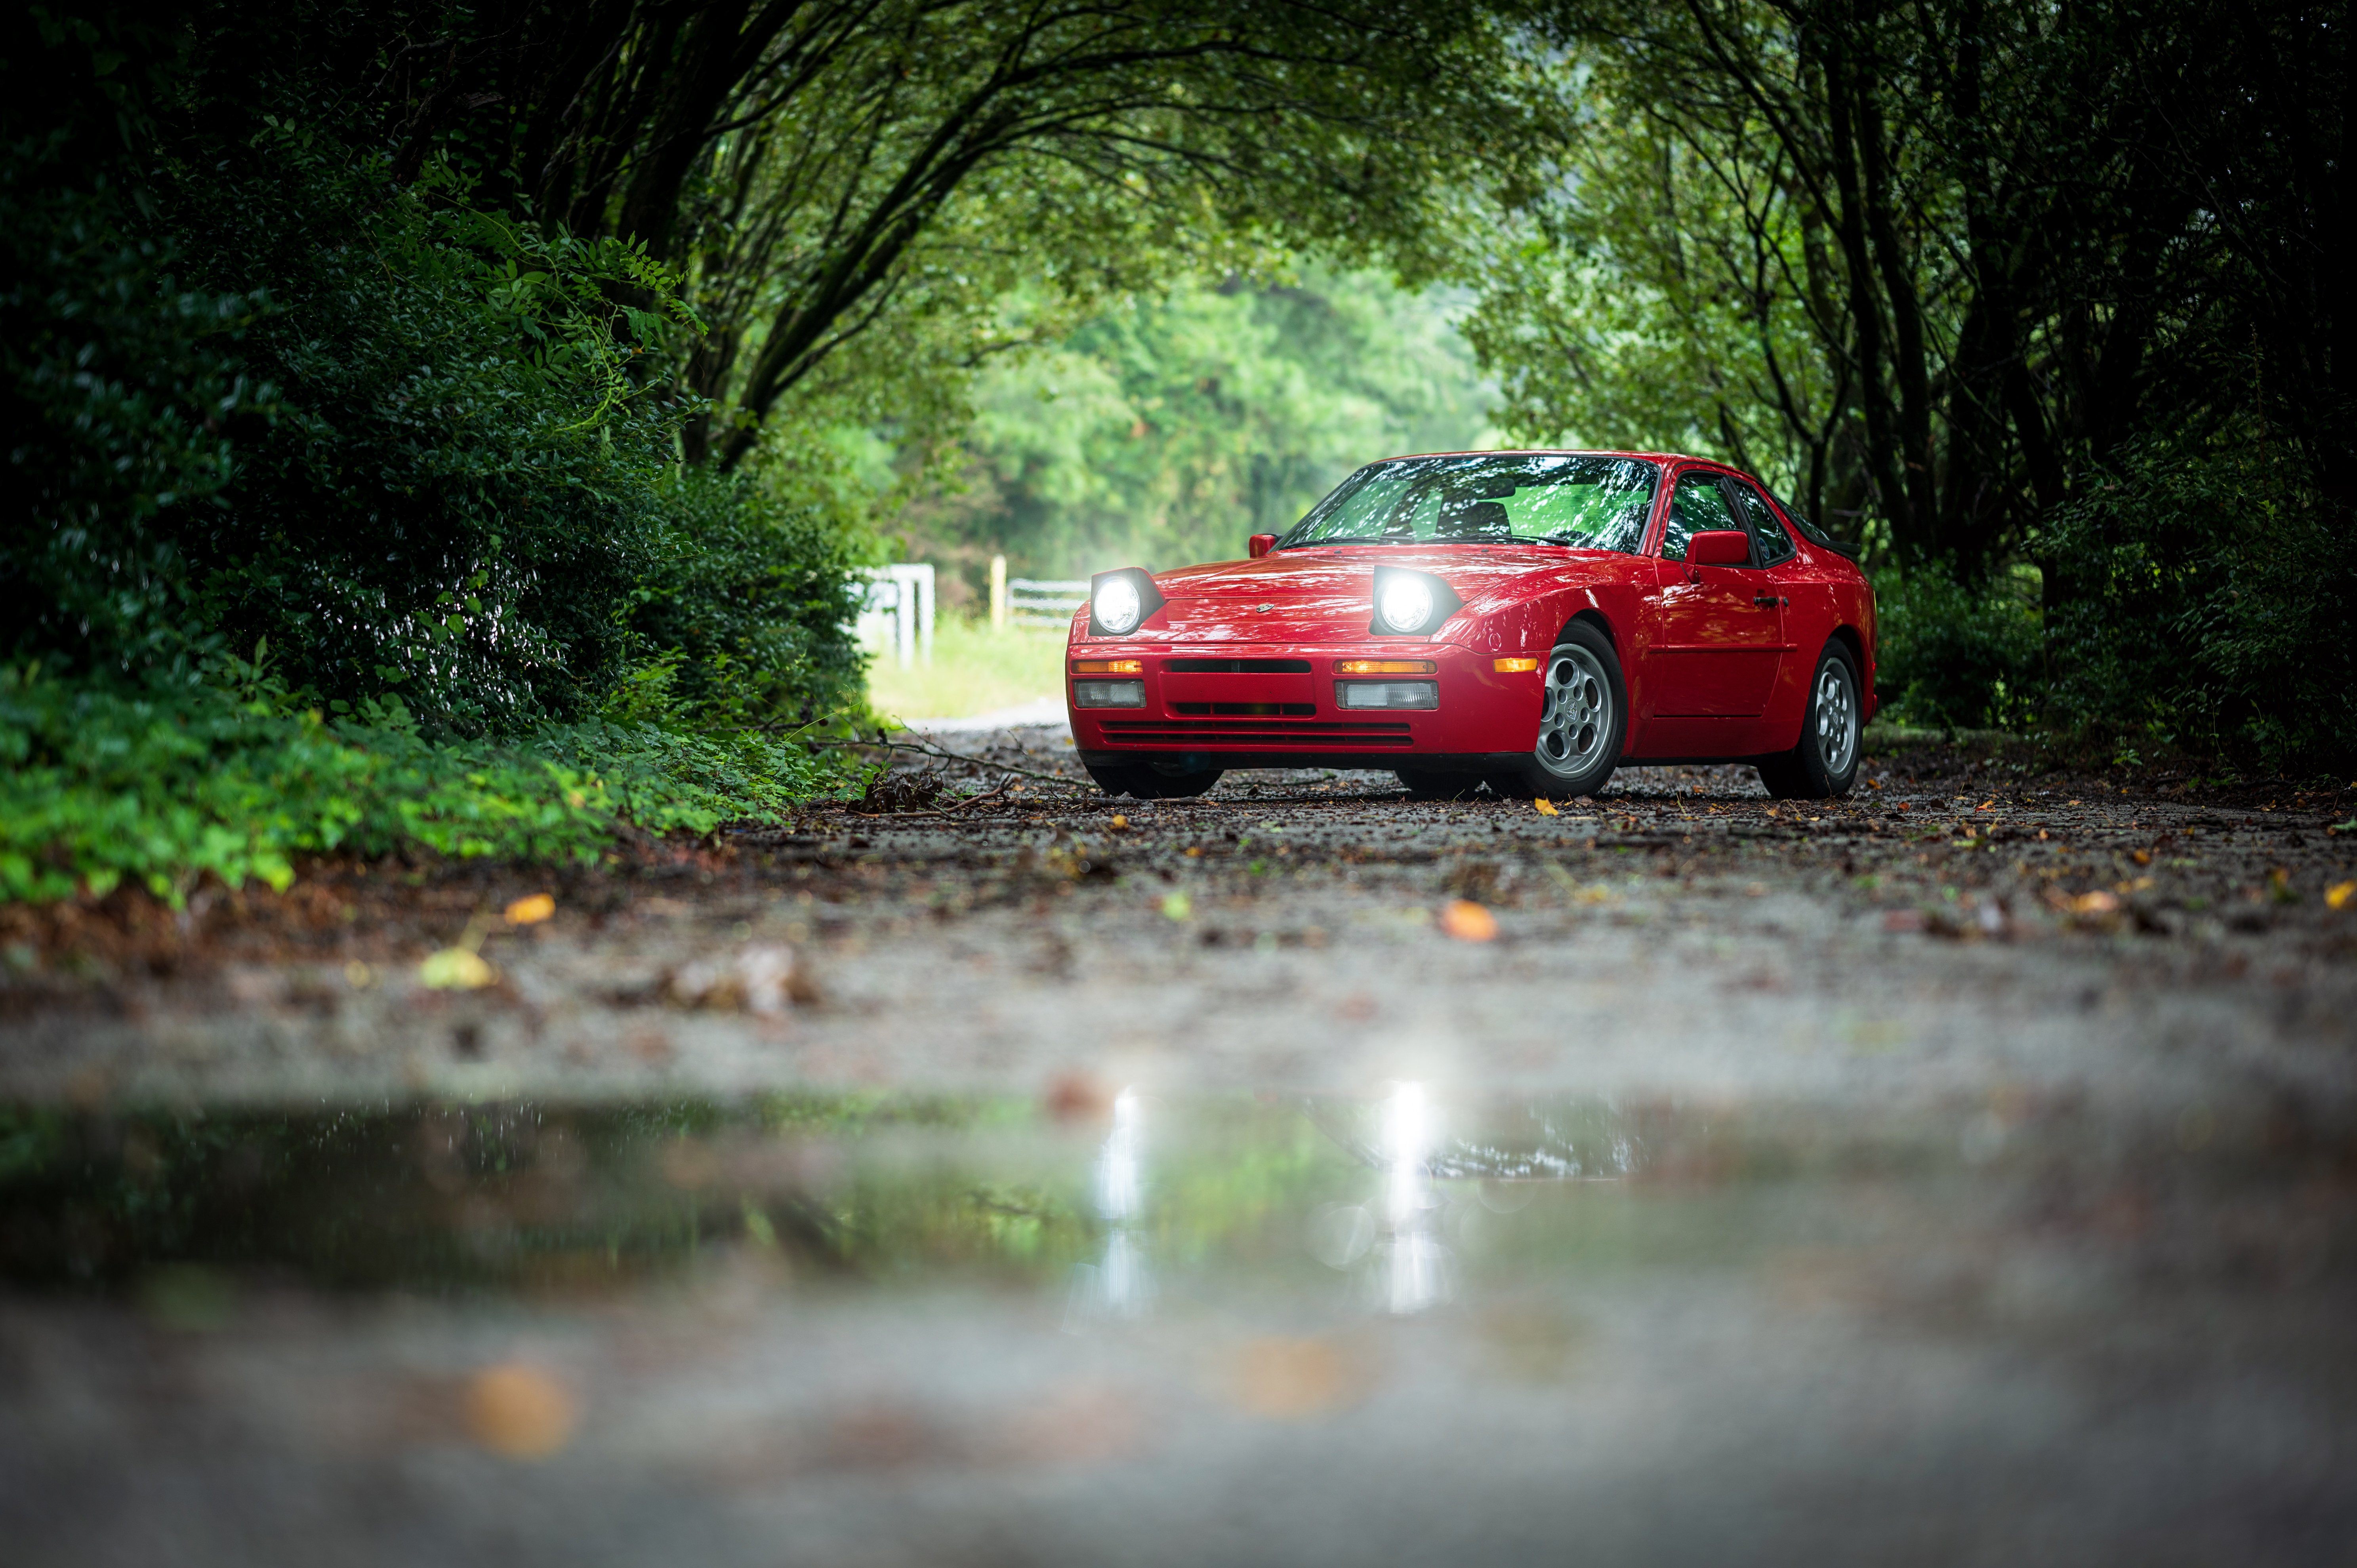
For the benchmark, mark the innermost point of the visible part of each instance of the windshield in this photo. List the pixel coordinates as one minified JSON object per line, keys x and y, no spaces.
{"x":1587,"y":503}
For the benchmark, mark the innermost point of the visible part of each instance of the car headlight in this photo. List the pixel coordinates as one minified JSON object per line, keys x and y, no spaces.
{"x":1120,"y":601}
{"x":1118,"y":607}
{"x":1406,"y":603}
{"x":1409,"y":604}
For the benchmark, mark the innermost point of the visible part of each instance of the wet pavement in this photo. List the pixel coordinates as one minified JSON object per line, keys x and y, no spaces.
{"x":1298,"y":1175}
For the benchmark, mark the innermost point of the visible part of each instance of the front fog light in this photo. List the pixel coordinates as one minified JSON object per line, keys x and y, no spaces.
{"x":1387,"y":694}
{"x":1108,"y":693}
{"x":1405,"y":603}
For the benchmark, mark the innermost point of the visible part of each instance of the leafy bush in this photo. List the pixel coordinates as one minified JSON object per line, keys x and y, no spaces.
{"x":748,"y":604}
{"x":2203,"y":602}
{"x":1957,"y":655}
{"x":97,"y":786}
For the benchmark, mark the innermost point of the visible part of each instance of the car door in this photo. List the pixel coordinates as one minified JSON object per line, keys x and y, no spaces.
{"x":1719,"y":631}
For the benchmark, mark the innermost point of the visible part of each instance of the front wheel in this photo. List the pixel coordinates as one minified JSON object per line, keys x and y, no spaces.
{"x":1825,"y":764}
{"x":1583,"y":724}
{"x":1144,"y":782}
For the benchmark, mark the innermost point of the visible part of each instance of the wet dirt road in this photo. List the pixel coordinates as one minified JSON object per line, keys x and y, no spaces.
{"x":1964,"y":1172}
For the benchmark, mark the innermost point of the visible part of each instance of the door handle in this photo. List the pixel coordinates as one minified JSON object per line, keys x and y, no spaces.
{"x":1770,"y":599}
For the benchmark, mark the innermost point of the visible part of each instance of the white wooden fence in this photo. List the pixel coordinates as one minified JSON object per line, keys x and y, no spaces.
{"x":897,"y":612}
{"x":1032,"y":601}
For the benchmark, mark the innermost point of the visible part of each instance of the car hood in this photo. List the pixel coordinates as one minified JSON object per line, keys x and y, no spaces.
{"x":1331,"y":592}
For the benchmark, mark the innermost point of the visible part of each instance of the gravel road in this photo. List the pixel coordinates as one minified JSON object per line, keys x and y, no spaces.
{"x":1979,"y":1182}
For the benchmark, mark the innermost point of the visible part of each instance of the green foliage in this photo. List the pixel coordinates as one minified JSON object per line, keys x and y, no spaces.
{"x":2201,"y":599}
{"x":457,"y":486}
{"x":1164,"y":432}
{"x":749,"y":602}
{"x":1959,"y":655}
{"x":164,"y":788}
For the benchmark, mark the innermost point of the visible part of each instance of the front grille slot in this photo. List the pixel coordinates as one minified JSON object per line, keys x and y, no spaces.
{"x":1209,"y":734}
{"x":1237,"y":667}
{"x":1242,"y":710}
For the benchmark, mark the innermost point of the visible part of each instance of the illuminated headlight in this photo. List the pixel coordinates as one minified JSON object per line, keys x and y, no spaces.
{"x":1118,"y":607}
{"x":1410,"y":604}
{"x":1108,"y":693}
{"x":1404,"y":605}
{"x":1387,"y":694}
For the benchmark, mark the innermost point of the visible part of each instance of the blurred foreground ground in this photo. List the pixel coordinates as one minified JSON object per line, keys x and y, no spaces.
{"x":1962,"y":1173}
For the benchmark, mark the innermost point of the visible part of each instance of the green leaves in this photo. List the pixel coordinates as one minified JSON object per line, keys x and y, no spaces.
{"x":168,"y":789}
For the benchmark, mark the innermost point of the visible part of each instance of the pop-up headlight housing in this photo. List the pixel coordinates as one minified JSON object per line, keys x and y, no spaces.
{"x":1411,"y":603}
{"x":1120,"y":601}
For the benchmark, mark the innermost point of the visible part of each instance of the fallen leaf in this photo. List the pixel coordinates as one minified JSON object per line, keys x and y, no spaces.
{"x":762,"y":979}
{"x":1989,"y":804}
{"x":2142,"y":857}
{"x":519,"y":1412}
{"x":2097,"y":903}
{"x":1468,"y":921}
{"x":1178,"y":907}
{"x":1120,"y":822}
{"x":530,"y":911}
{"x":1287,"y":1380}
{"x":455,"y":969}
{"x":2339,"y":895}
{"x":1545,"y":807}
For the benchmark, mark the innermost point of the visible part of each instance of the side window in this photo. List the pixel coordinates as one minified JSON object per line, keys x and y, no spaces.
{"x":1770,"y":543}
{"x":1697,"y":506}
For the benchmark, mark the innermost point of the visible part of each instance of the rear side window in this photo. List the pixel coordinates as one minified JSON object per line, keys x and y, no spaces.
{"x":1696,"y":506}
{"x":1770,"y":543}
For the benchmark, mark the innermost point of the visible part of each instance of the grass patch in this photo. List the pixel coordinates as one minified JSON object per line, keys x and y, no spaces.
{"x":974,"y":670}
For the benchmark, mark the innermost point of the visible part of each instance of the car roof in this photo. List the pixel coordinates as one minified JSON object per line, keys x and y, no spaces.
{"x":1561,"y":452}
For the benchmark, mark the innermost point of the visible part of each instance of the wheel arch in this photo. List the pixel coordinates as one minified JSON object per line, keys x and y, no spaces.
{"x":1849,"y":637}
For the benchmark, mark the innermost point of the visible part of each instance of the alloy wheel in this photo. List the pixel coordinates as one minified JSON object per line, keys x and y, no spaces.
{"x":1836,"y":717}
{"x":1577,"y":722}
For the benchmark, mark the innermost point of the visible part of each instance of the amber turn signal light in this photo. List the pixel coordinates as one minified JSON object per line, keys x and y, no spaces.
{"x":1513,"y":666}
{"x":1108,"y":666}
{"x":1385,"y":667}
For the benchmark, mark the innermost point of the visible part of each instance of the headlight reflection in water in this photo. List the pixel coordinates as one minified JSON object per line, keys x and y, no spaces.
{"x":1120,"y":1285}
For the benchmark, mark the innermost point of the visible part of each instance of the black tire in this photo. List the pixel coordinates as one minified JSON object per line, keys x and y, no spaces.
{"x":1584,"y":726}
{"x":1144,"y":781}
{"x":1823,"y":765}
{"x":1436,"y":786}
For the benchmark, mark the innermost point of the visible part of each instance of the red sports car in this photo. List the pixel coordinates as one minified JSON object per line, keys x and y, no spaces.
{"x":1527,"y":619}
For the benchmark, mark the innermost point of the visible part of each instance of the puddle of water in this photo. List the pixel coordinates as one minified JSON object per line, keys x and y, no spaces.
{"x":1402,"y":1197}
{"x":1161,"y":1330}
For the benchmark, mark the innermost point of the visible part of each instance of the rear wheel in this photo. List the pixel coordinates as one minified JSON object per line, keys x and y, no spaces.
{"x":1583,"y":725}
{"x":1825,"y":764}
{"x":1146,"y":782}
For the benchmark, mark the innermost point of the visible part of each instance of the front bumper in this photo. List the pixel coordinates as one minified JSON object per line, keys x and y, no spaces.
{"x":1274,"y":705}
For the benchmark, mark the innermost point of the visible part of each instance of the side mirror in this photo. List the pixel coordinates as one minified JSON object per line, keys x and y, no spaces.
{"x":1719,"y":547}
{"x":1259,"y":544}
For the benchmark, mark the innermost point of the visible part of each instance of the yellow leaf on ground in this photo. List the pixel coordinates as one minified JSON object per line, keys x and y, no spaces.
{"x":1178,"y":906}
{"x":455,"y":969}
{"x":530,"y":911}
{"x":2339,"y":895}
{"x":519,"y":1412}
{"x":1545,"y":807}
{"x":1468,"y":921}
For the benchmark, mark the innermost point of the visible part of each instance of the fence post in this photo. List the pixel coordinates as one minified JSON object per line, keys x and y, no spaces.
{"x":998,"y":593}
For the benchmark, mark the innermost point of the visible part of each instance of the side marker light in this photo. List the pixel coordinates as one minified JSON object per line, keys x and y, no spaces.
{"x":1513,"y":666}
{"x":1385,"y":667}
{"x":1108,"y":666}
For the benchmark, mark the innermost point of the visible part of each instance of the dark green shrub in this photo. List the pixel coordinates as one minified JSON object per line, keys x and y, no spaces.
{"x":748,"y":603}
{"x":2202,"y":600}
{"x":1957,"y":655}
